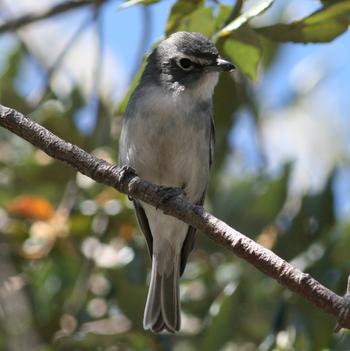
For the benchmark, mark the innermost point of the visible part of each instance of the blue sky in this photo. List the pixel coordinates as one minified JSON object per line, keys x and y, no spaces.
{"x":123,"y":29}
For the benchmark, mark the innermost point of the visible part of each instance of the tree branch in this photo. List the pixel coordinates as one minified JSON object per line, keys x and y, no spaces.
{"x":16,"y":23}
{"x":125,"y":180}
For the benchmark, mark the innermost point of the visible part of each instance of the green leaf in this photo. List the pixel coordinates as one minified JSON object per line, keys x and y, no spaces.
{"x":322,"y":26}
{"x":180,"y":10}
{"x":254,"y":11}
{"x":201,"y":20}
{"x":243,"y":48}
{"x":301,"y":33}
{"x":336,"y":11}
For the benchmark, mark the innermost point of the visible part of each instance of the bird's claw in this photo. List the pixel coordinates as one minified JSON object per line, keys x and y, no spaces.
{"x":124,"y":172}
{"x":168,"y":192}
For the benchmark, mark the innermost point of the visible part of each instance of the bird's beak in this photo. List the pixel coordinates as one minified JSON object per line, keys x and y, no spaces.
{"x":223,"y":65}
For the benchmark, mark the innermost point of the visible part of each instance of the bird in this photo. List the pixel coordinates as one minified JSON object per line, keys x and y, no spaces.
{"x":168,"y":137}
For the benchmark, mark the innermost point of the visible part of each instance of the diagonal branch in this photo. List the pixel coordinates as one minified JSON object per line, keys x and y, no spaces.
{"x":125,"y":180}
{"x":68,"y":5}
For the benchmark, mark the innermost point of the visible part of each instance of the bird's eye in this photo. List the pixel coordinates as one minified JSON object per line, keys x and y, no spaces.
{"x":185,"y":63}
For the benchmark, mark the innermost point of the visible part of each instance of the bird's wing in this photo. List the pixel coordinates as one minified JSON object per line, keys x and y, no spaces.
{"x":143,"y":222}
{"x":212,"y":141}
{"x":188,"y":244}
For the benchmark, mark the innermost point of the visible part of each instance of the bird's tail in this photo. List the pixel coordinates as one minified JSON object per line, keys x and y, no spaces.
{"x":162,"y":311}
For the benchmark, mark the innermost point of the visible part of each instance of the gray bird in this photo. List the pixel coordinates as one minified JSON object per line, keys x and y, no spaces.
{"x":168,"y":138}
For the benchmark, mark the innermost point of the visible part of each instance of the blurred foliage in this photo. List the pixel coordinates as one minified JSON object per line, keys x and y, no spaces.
{"x":73,"y":267}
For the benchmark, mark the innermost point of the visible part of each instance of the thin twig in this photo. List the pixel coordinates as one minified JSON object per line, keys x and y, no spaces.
{"x":24,"y":20}
{"x":59,"y":59}
{"x":126,"y":181}
{"x":236,"y":10}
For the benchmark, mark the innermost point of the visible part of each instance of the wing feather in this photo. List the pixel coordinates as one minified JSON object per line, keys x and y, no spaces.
{"x":143,"y":222}
{"x":190,"y":239}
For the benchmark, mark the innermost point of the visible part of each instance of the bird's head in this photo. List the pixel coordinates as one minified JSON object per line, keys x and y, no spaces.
{"x":188,"y":62}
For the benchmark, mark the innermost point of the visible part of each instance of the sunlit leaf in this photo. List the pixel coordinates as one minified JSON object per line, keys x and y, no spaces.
{"x":178,"y":13}
{"x":339,"y":10}
{"x":302,"y":33}
{"x":243,"y":48}
{"x":254,"y":11}
{"x":322,"y":26}
{"x":200,"y":20}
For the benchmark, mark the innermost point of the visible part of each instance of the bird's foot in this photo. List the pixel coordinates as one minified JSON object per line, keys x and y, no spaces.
{"x":124,"y":174}
{"x":168,"y":192}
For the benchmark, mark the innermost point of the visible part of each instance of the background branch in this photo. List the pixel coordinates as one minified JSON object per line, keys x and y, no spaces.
{"x":50,"y":72}
{"x":19,"y":22}
{"x":126,"y":181}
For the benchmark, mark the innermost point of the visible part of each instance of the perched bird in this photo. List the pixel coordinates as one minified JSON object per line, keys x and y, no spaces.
{"x":168,"y":138}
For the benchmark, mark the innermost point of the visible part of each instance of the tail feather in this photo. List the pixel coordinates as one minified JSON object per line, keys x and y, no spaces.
{"x":152,"y":310}
{"x":162,"y":311}
{"x":170,"y":305}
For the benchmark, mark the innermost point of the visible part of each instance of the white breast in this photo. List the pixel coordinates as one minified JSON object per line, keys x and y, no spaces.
{"x":167,"y":141}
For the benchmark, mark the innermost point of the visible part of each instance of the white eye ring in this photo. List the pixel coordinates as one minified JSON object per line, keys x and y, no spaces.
{"x":185,"y":63}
